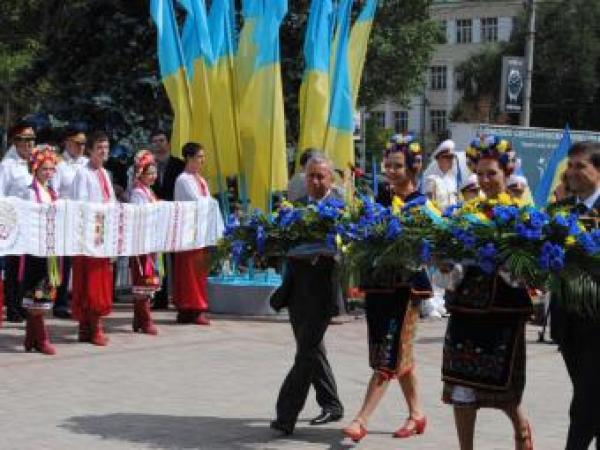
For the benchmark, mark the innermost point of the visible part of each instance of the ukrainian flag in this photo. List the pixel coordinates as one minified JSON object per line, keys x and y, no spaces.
{"x":262,"y":125}
{"x":198,"y":53}
{"x":314,"y":91}
{"x":555,"y":168}
{"x":339,"y":144}
{"x":172,"y":71}
{"x":221,"y":24}
{"x":359,"y":41}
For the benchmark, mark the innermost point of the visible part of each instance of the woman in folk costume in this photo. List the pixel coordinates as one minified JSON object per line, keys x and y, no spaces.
{"x":39,"y":277}
{"x":484,"y":348}
{"x":392,"y":308}
{"x":93,"y":277}
{"x":191,"y":267}
{"x":441,"y":177}
{"x":144,"y":268}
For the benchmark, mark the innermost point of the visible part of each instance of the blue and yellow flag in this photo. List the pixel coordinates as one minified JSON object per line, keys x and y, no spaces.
{"x":198,"y":53}
{"x":260,"y":90}
{"x":556,"y":166}
{"x":221,"y":24}
{"x":339,"y":144}
{"x":172,"y":71}
{"x":359,"y":41}
{"x":314,"y":91}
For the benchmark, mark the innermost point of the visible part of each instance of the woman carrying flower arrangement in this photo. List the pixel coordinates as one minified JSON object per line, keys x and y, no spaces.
{"x":39,"y":277}
{"x":484,"y":347}
{"x":144,"y":268}
{"x":393,"y":309}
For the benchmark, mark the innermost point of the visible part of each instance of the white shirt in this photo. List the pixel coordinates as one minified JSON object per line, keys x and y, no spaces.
{"x":190,"y":187}
{"x":87,"y":186}
{"x":591,"y":200}
{"x":14,"y":175}
{"x":62,"y":181}
{"x":442,"y":189}
{"x":140,"y":195}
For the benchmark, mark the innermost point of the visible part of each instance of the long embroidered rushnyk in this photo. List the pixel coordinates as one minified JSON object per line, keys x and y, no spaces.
{"x":68,"y":228}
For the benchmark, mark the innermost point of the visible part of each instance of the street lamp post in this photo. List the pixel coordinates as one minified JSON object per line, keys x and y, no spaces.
{"x":529,"y":47}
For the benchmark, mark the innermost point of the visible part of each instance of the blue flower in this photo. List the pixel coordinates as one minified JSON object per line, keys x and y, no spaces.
{"x":288,"y":217}
{"x":486,"y":258}
{"x":419,"y":201}
{"x":465,"y":237}
{"x":330,"y":208}
{"x":449,"y":211}
{"x":330,"y":240}
{"x":504,"y":214}
{"x":590,"y":242}
{"x":426,"y":251}
{"x":537,"y":218}
{"x":552,"y":257}
{"x":237,"y":251}
{"x":231,"y":225}
{"x":393,"y":230}
{"x":261,"y":239}
{"x":531,"y":234}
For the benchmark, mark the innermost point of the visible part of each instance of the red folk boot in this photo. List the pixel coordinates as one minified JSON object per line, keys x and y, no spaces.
{"x":29,"y":341}
{"x":42,"y":338}
{"x":142,"y":317}
{"x":97,"y":336}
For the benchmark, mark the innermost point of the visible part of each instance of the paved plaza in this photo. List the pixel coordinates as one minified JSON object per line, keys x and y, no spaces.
{"x":215,"y":388}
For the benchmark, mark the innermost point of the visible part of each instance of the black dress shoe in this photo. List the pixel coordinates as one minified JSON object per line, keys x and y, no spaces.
{"x":285,"y":428}
{"x":61,"y":314}
{"x":326,"y":417}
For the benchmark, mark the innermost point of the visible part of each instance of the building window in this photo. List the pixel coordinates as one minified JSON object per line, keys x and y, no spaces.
{"x":438,"y":121}
{"x":464,"y":31}
{"x":437,"y":78}
{"x":400,"y":121}
{"x":379,"y":117}
{"x":489,"y":29}
{"x":444,"y":29}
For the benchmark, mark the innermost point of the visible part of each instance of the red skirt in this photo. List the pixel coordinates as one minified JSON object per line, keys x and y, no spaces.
{"x":144,"y":274}
{"x":190,"y":278}
{"x":92,"y":287}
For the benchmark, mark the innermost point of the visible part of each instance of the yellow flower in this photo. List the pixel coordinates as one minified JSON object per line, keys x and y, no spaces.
{"x":433,"y":208}
{"x":570,"y":240}
{"x":502,"y":146}
{"x":397,"y":205}
{"x":338,"y":240}
{"x":286,"y":204}
{"x":481,"y":216}
{"x":505,"y":199}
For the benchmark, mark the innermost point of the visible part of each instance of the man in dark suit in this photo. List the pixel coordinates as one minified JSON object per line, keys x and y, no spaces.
{"x":168,"y":168}
{"x":577,"y":333}
{"x":310,"y":290}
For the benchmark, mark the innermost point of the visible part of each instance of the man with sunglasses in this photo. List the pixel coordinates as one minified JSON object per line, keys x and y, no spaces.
{"x":72,"y":159}
{"x":14,"y":180}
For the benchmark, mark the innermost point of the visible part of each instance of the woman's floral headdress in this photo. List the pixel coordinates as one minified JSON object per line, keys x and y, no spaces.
{"x":41,"y":154}
{"x":489,"y":147}
{"x":404,"y":143}
{"x":142,"y":159}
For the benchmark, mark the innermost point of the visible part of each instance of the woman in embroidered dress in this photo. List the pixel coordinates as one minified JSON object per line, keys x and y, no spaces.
{"x":392,"y":313}
{"x":144,"y":268}
{"x":191,"y":267}
{"x":484,"y":348}
{"x":93,"y":277}
{"x":40,"y":277}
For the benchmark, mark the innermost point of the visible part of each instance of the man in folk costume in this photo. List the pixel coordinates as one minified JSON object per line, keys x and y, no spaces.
{"x":311,"y":292}
{"x":92,"y":277}
{"x":168,"y":168}
{"x":15,"y":180}
{"x":72,"y":158}
{"x":575,"y":324}
{"x":191,"y":267}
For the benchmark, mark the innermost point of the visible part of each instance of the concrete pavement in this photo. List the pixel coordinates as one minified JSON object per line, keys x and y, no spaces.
{"x":215,"y":388}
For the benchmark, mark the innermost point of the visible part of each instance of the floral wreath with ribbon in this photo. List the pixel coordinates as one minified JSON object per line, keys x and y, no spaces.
{"x":490,"y":146}
{"x":39,"y":155}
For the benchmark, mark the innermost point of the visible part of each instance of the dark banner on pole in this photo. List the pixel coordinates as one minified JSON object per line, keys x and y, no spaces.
{"x":513,"y":82}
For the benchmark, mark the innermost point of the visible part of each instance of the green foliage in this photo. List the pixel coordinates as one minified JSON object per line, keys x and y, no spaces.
{"x":376,"y":137}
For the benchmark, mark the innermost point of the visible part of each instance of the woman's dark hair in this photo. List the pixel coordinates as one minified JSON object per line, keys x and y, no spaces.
{"x":159,"y":132}
{"x":190,"y":149}
{"x":409,"y":156}
{"x":306,"y":155}
{"x":588,"y":148}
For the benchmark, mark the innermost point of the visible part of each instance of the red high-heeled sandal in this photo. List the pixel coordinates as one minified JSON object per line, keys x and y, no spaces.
{"x":356,"y":436}
{"x":526,"y":437}
{"x":407,"y":431}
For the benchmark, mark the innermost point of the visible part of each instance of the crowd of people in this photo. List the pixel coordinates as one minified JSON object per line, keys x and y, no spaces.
{"x":481,"y":338}
{"x":484,"y":352}
{"x":43,"y":174}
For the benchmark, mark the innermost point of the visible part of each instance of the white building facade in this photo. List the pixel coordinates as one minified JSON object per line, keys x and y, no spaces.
{"x":469,"y":26}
